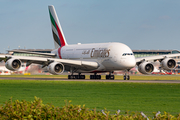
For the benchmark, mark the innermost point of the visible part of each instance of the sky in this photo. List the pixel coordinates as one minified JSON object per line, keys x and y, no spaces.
{"x":140,"y":24}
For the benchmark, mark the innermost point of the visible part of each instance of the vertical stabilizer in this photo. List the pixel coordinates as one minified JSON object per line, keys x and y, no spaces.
{"x":59,"y":39}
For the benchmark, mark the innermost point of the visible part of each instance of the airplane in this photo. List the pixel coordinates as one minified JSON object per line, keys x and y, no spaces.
{"x":87,"y":58}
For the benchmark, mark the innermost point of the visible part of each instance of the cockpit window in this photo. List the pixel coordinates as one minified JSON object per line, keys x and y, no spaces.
{"x":124,"y":54}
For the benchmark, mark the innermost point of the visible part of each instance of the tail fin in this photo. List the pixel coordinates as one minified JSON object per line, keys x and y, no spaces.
{"x":59,"y":39}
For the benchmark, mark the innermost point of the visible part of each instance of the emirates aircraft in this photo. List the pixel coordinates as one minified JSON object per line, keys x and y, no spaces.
{"x":87,"y":58}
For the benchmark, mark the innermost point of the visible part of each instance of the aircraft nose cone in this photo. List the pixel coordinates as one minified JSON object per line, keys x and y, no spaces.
{"x":130,"y":63}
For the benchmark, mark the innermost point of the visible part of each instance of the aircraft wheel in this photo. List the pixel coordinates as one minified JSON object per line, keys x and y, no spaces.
{"x":124,"y":77}
{"x":107,"y":77}
{"x":75,"y":76}
{"x":72,"y":77}
{"x":82,"y":77}
{"x":112,"y":77}
{"x":69,"y":76}
{"x":128,"y":77}
{"x":99,"y":76}
{"x":91,"y":76}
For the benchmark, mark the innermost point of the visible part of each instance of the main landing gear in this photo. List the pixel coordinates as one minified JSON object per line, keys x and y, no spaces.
{"x":98,"y":77}
{"x":95,"y":76}
{"x":126,"y":76}
{"x":110,"y":77}
{"x":79,"y":76}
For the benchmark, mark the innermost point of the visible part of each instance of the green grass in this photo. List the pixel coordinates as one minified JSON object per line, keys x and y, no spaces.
{"x":148,"y":97}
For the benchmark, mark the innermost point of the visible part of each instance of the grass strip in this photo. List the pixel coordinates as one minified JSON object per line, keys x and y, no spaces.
{"x":146,"y":97}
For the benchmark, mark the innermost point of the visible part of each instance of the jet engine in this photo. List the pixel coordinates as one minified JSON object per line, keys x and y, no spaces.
{"x":56,"y":68}
{"x":168,"y":64}
{"x":13,"y":64}
{"x":146,"y":67}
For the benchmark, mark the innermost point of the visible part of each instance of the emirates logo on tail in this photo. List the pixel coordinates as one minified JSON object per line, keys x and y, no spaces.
{"x":58,"y":35}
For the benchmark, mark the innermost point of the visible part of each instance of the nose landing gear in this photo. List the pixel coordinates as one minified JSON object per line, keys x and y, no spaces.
{"x":126,"y":76}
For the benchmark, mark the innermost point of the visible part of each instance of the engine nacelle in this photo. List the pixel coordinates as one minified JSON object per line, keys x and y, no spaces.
{"x":146,"y":68}
{"x":56,"y":68}
{"x":168,"y":64}
{"x":13,"y":64}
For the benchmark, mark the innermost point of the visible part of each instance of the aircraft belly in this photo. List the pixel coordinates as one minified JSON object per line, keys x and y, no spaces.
{"x":108,"y":64}
{"x":84,"y":68}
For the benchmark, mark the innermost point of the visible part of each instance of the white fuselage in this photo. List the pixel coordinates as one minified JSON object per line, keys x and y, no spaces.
{"x":109,"y":56}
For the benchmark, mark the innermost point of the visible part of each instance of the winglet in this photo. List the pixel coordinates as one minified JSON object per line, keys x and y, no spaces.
{"x":59,"y":39}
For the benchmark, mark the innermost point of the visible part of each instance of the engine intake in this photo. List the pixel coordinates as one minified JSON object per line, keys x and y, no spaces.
{"x":56,"y":68}
{"x":168,"y":64}
{"x":146,"y":67}
{"x":13,"y":64}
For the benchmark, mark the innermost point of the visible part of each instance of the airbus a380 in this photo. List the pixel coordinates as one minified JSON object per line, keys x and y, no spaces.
{"x":87,"y":58}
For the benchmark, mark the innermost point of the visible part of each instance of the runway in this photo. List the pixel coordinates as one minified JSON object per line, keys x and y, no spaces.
{"x":88,"y":80}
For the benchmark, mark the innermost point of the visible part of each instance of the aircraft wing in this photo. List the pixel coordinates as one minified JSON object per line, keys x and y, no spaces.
{"x":89,"y":65}
{"x":35,"y":53}
{"x":156,"y":57}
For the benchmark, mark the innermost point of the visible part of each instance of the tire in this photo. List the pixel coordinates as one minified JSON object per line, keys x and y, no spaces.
{"x":91,"y":77}
{"x":124,"y":77}
{"x":100,"y":77}
{"x":107,"y":77}
{"x":69,"y":76}
{"x":72,"y":77}
{"x":128,"y":77}
{"x":82,"y":77}
{"x":112,"y":77}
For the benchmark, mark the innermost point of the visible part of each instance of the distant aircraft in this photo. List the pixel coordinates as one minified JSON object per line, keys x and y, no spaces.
{"x":88,"y":58}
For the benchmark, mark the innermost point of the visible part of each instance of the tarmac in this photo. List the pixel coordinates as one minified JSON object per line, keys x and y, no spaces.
{"x":89,"y":80}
